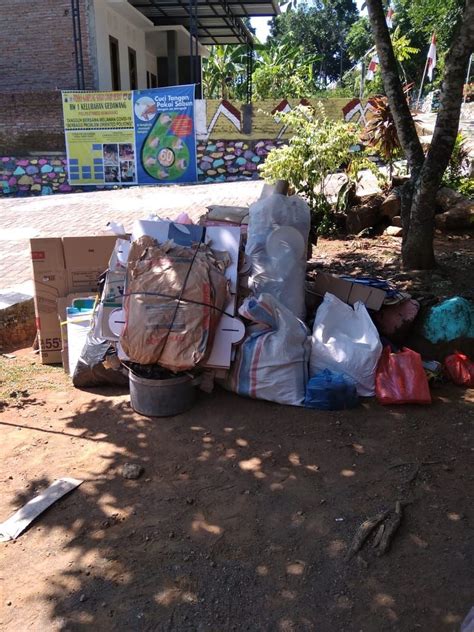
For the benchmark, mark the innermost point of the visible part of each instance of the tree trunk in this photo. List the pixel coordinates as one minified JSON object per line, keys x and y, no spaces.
{"x":418,"y":195}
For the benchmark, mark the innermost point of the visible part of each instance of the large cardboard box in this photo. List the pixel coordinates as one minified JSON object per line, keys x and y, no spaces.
{"x":60,"y":267}
{"x":347,"y":291}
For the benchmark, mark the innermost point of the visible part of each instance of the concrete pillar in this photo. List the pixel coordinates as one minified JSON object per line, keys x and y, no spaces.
{"x":172,"y":48}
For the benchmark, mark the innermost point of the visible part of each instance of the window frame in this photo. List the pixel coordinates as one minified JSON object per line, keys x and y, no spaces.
{"x":114,"y":58}
{"x":132,"y":68}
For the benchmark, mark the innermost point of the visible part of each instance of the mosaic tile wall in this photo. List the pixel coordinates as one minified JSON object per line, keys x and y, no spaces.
{"x":33,"y":176}
{"x":218,"y":161}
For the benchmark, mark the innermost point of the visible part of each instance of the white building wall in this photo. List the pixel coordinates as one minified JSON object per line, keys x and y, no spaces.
{"x":151,"y":64}
{"x":109,"y":22}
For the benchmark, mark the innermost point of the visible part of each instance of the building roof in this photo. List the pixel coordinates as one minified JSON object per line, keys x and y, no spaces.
{"x":215,"y":21}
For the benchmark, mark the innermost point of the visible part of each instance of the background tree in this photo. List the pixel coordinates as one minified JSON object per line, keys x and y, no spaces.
{"x":359,"y":39}
{"x":224,"y":72}
{"x":321,"y":28}
{"x":419,"y":193}
{"x":415,"y":20}
{"x":282,"y":69}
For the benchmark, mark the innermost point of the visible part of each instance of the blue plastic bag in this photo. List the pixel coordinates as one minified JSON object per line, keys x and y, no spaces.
{"x":331,"y":391}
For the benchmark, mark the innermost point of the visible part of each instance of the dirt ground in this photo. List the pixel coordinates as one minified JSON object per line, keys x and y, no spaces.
{"x":242,"y":518}
{"x":380,"y":256}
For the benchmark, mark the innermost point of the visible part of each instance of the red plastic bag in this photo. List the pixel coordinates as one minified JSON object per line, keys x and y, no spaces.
{"x":401,"y":379}
{"x":460,"y":369}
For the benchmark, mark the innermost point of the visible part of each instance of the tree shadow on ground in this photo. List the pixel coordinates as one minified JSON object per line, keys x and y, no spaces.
{"x":244,"y":513}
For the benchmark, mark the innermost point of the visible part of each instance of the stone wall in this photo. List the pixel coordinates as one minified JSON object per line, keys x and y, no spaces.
{"x":218,"y":161}
{"x":232,"y":139}
{"x":231,"y":160}
{"x":33,"y":176}
{"x":17,"y":326}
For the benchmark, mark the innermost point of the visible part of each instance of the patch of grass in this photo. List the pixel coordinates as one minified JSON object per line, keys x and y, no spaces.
{"x":25,"y":373}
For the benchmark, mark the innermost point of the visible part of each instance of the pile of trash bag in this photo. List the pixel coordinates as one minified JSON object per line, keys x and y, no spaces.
{"x":232,"y":305}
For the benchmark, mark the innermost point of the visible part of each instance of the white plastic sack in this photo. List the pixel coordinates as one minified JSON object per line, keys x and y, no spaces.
{"x":346,"y":340}
{"x":277,"y":244}
{"x":272,"y":361}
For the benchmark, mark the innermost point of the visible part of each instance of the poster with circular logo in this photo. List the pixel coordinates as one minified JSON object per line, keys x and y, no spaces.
{"x":165,"y":155}
{"x":166,"y":142}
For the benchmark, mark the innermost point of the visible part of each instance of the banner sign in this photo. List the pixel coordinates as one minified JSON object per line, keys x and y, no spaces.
{"x":132,"y":137}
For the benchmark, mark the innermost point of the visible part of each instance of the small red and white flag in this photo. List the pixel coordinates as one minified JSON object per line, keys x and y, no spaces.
{"x":431,"y":58}
{"x":372,"y":69}
{"x":389,"y":17}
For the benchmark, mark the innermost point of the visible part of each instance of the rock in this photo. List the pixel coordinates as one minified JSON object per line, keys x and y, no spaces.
{"x":240,"y":161}
{"x":457,"y":217}
{"x":82,"y":598}
{"x":360,"y":217}
{"x":25,"y":180}
{"x":447,"y":198}
{"x":218,"y":163}
{"x":131,"y":470}
{"x":391,"y":206}
{"x":397,"y":221}
{"x":394,"y":231}
{"x":46,"y":168}
{"x":31,"y":170}
{"x":35,"y":187}
{"x":19,"y":171}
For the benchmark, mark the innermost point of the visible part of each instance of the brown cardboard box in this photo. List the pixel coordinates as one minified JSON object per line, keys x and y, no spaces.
{"x":84,"y":260}
{"x":347,"y":291}
{"x":60,"y":267}
{"x":49,"y":277}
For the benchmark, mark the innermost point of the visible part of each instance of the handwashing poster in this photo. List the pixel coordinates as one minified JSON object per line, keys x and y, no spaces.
{"x":130,"y":137}
{"x":164,"y":134}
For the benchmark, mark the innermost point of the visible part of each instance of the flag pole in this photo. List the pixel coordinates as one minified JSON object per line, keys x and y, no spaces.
{"x":362,"y":79}
{"x":422,"y":82}
{"x":423,"y":78}
{"x":468,"y":76}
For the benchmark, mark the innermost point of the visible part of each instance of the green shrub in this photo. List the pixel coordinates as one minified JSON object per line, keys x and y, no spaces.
{"x":454,"y":176}
{"x":318,"y":147}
